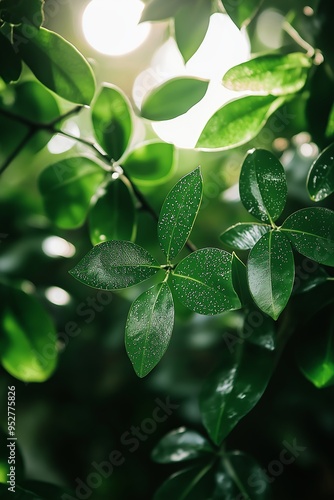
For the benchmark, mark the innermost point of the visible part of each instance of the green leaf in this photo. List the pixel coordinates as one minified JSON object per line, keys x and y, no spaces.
{"x":203,"y":282}
{"x":263,"y":188}
{"x":149,"y":328}
{"x":180,"y":445}
{"x":330,"y":124}
{"x":67,"y":188}
{"x":114,"y":216}
{"x":114,"y":265}
{"x":191,"y":24}
{"x":232,"y":392}
{"x":10,"y":63}
{"x":311,"y":231}
{"x":150,"y":163}
{"x":190,"y":484}
{"x":56,"y":63}
{"x":22,"y":11}
{"x":273,"y":74}
{"x":271,"y":273}
{"x":240,"y":476}
{"x":244,"y":235}
{"x":173,"y":98}
{"x":243,"y":12}
{"x":239,"y":280}
{"x":237,"y":122}
{"x":28,"y":343}
{"x":158,"y":10}
{"x":320,"y":180}
{"x":178,"y":213}
{"x":112,"y":120}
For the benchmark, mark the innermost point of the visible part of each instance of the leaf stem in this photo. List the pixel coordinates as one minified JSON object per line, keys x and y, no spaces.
{"x":17,"y":150}
{"x":293,"y":33}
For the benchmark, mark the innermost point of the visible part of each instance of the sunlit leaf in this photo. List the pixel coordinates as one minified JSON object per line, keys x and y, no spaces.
{"x":157,"y":10}
{"x":56,"y":63}
{"x":191,"y":23}
{"x":190,"y":484}
{"x":112,"y":120}
{"x":149,"y":328}
{"x":203,"y":282}
{"x":244,"y":235}
{"x":311,"y":231}
{"x":273,"y":74}
{"x":237,"y":122}
{"x":22,"y":11}
{"x":67,"y":188}
{"x":320,"y":181}
{"x":10,"y":63}
{"x":150,"y":163}
{"x":271,"y":272}
{"x":178,"y":213}
{"x":180,"y":445}
{"x":173,"y":98}
{"x":242,"y":12}
{"x":115,"y":264}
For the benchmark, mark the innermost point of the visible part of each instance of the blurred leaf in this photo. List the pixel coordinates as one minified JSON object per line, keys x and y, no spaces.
{"x":311,"y":231}
{"x":319,"y":104}
{"x":4,"y":457}
{"x":263,"y":188}
{"x":158,"y":10}
{"x":180,"y":445}
{"x":259,"y":329}
{"x":189,"y":484}
{"x":324,"y":16}
{"x":114,"y":216}
{"x":46,"y":490}
{"x":232,"y":392}
{"x":22,"y":11}
{"x":320,"y":181}
{"x":173,"y":98}
{"x":203,"y":282}
{"x":149,"y":328}
{"x":178,"y":213}
{"x":19,"y":494}
{"x":272,"y":74}
{"x":28,"y":345}
{"x":242,"y":12}
{"x":150,"y":163}
{"x":244,"y":235}
{"x":56,"y":63}
{"x":10,"y":63}
{"x":330,"y":124}
{"x":191,"y":24}
{"x":237,"y":122}
{"x":67,"y":188}
{"x":115,"y":264}
{"x":112,"y":120}
{"x":271,"y":273}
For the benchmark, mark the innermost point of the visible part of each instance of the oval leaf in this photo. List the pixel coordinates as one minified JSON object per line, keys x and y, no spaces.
{"x":234,"y":390}
{"x":28,"y":343}
{"x":10,"y":63}
{"x":178,"y":213}
{"x":195,"y":483}
{"x":320,"y":181}
{"x":56,"y":63}
{"x":149,"y":328}
{"x":243,"y":12}
{"x":150,"y":163}
{"x":237,"y":122}
{"x":158,"y":10}
{"x":114,"y":265}
{"x":203,"y":282}
{"x":180,"y":445}
{"x":113,"y":217}
{"x":112,"y":120}
{"x":273,"y":74}
{"x":263,"y":188}
{"x":311,"y":231}
{"x":67,"y":188}
{"x":21,"y":11}
{"x":244,"y":235}
{"x":173,"y":98}
{"x":271,"y":273}
{"x":191,"y":23}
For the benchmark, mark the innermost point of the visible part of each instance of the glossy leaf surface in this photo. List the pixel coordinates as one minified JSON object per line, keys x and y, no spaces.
{"x":244,"y":235}
{"x":180,"y":445}
{"x":150,"y":163}
{"x":115,"y":264}
{"x":191,"y":23}
{"x":320,"y":181}
{"x":149,"y":328}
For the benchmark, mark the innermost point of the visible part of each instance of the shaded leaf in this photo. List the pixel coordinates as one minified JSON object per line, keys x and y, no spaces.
{"x":150,"y":163}
{"x":191,"y":24}
{"x":173,"y":98}
{"x":244,"y":235}
{"x":273,"y":74}
{"x":178,"y":213}
{"x":320,"y":180}
{"x":311,"y":231}
{"x":271,"y":273}
{"x":22,"y":11}
{"x":67,"y":188}
{"x":157,"y":10}
{"x":190,"y":484}
{"x":239,"y":280}
{"x":114,"y":216}
{"x":115,"y":264}
{"x":149,"y":328}
{"x":263,"y":188}
{"x":10,"y":63}
{"x":19,"y":494}
{"x":203,"y":282}
{"x":112,"y":120}
{"x":56,"y":63}
{"x":243,"y":12}
{"x":237,"y":122}
{"x":180,"y":445}
{"x":47,"y":491}
{"x":330,"y":124}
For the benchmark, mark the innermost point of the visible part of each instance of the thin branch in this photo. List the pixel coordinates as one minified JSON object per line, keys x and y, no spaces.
{"x":73,"y":111}
{"x":290,"y":30}
{"x":17,"y":150}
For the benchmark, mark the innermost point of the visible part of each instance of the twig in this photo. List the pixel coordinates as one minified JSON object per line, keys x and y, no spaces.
{"x":17,"y":150}
{"x":290,"y":30}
